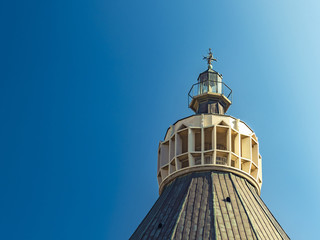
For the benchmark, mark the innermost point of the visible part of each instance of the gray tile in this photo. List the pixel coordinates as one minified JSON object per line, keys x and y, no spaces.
{"x":194,"y":206}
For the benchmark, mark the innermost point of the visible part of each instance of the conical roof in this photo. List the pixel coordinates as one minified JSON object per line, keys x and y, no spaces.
{"x":209,"y":205}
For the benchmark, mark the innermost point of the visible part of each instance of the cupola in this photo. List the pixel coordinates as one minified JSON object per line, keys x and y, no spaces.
{"x":210,"y":94}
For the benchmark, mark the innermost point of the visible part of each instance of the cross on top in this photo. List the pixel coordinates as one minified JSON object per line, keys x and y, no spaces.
{"x":209,"y":59}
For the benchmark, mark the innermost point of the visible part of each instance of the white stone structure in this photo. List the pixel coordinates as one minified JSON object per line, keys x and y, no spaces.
{"x":209,"y":142}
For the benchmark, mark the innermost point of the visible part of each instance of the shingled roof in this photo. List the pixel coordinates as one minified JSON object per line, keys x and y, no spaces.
{"x":209,"y":205}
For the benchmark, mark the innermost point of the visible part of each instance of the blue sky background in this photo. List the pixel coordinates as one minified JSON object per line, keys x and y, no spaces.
{"x":89,"y":88}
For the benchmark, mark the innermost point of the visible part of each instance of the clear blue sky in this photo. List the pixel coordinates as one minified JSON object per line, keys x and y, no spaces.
{"x":88,"y":89}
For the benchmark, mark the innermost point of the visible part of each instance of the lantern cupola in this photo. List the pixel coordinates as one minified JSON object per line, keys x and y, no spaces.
{"x":210,"y":94}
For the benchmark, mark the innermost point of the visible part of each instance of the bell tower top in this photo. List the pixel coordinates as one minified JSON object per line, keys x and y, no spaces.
{"x":210,"y":94}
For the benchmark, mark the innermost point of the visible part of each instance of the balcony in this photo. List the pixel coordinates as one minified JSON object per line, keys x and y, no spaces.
{"x":215,"y":87}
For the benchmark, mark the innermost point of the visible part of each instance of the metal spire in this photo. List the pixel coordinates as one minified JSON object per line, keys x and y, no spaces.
{"x":209,"y":59}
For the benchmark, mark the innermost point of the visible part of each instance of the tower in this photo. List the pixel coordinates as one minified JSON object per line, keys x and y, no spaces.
{"x":209,"y":174}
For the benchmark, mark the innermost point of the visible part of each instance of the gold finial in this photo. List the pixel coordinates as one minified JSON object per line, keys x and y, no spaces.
{"x":209,"y":59}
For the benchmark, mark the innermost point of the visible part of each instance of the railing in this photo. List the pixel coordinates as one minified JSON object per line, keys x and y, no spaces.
{"x":209,"y":86}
